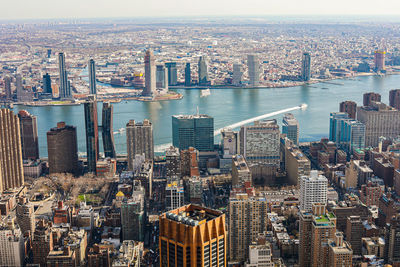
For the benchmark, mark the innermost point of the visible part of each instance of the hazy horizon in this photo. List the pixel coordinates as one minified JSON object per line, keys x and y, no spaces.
{"x":98,"y":9}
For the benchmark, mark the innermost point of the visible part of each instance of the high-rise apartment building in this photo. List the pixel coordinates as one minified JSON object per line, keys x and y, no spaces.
{"x":62,"y":149}
{"x":203,"y":71}
{"x":354,"y":233}
{"x":394,"y":98}
{"x":193,"y":236}
{"x":313,"y":189}
{"x":240,"y":171}
{"x":139,"y":139}
{"x":47,"y":84}
{"x":107,"y":130}
{"x":7,"y":87}
{"x":368,"y":98}
{"x":246,"y":220}
{"x":92,"y":77}
{"x":25,"y":214}
{"x":290,"y":127}
{"x":190,"y":162}
{"x":379,"y":120}
{"x":193,"y":131}
{"x":253,"y":65}
{"x":92,"y":133}
{"x":259,"y":143}
{"x":172,"y":78}
{"x":237,"y":74}
{"x":306,"y":67}
{"x":173,"y":162}
{"x":379,"y":60}
{"x":296,"y":164}
{"x":334,"y":125}
{"x":150,"y":73}
{"x":174,"y":195}
{"x":64,"y":85}
{"x":162,"y":77}
{"x":11,"y":165}
{"x":392,"y":242}
{"x":339,"y":252}
{"x":370,"y":193}
{"x":12,"y":249}
{"x":29,"y":135}
{"x":188,"y":75}
{"x":316,"y":228}
{"x":133,"y":216}
{"x":347,"y":133}
{"x":42,"y":243}
{"x":350,"y":107}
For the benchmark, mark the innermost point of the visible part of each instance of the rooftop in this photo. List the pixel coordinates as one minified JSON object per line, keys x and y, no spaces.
{"x":192,"y":215}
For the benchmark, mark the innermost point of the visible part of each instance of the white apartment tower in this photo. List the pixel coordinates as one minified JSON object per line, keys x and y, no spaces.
{"x":313,"y":189}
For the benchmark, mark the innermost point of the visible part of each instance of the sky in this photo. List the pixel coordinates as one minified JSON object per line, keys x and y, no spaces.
{"x":50,"y":9}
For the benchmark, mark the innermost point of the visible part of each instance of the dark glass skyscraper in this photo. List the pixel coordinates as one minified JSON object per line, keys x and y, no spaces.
{"x":306,"y":67}
{"x":92,"y":77}
{"x":107,"y":126}
{"x":7,"y":86}
{"x":65,"y":88}
{"x":47,"y":84}
{"x":193,"y":131}
{"x":188,"y":75}
{"x":203,"y":71}
{"x":92,"y":133}
{"x":29,"y":135}
{"x":172,"y":73}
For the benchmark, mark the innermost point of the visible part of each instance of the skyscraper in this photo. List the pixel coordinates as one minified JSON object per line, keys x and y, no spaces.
{"x":11,"y":165}
{"x":253,"y":65}
{"x":392,"y":242}
{"x":350,"y":107}
{"x":260,"y":143}
{"x":240,"y":171}
{"x":368,"y":98}
{"x":25,"y":214}
{"x":203,"y":71}
{"x":316,"y":228}
{"x":237,"y":74}
{"x":172,"y":73}
{"x":340,"y":252}
{"x":133,"y":216}
{"x":62,"y":149}
{"x":334,"y":125}
{"x":174,"y":195}
{"x":313,"y":189}
{"x":150,"y":73}
{"x":64,"y":88}
{"x":7,"y":87}
{"x":306,"y":67}
{"x":12,"y":248}
{"x":162,"y":77}
{"x":379,"y":60}
{"x":29,"y":135}
{"x":394,"y":98}
{"x":92,"y":133}
{"x":354,"y":233}
{"x":107,"y":130}
{"x":19,"y":87}
{"x":42,"y":243}
{"x":139,"y":140}
{"x":92,"y":77}
{"x":193,"y":131}
{"x":192,"y":236}
{"x":290,"y":127}
{"x":379,"y":120}
{"x":246,"y":220}
{"x":188,"y":75}
{"x":47,"y":84}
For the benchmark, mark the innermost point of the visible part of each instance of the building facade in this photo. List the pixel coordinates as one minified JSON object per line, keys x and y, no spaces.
{"x":29,"y":135}
{"x":92,"y":133}
{"x":139,"y":140}
{"x":107,"y":130}
{"x":313,"y":189}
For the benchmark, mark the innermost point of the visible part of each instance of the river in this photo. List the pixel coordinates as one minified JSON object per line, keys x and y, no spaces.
{"x":226,"y":106}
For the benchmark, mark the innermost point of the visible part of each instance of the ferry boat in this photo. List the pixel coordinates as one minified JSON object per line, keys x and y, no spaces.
{"x":205,"y":92}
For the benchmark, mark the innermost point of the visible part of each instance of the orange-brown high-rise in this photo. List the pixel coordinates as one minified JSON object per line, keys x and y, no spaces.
{"x":192,"y":236}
